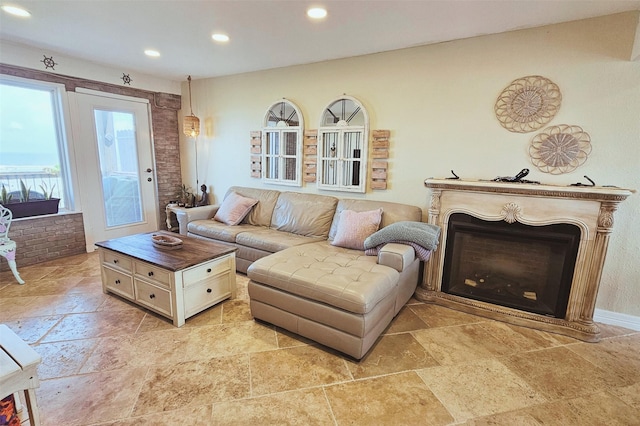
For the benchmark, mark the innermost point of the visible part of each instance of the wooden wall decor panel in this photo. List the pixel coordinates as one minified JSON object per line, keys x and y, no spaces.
{"x":310,"y":150}
{"x":380,"y":153}
{"x":256,"y":151}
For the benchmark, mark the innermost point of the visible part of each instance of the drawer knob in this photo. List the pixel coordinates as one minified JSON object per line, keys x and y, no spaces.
{"x":208,"y":269}
{"x":115,"y":260}
{"x":150,"y":273}
{"x":209,"y":290}
{"x":152,"y":296}
{"x":117,"y":281}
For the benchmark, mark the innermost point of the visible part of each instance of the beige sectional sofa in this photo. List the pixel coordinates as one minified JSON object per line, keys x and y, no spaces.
{"x":299,"y":281}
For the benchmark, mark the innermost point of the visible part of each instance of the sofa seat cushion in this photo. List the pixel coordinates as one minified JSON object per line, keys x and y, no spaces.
{"x":217,"y":230}
{"x":271,"y":240}
{"x":339,"y":277}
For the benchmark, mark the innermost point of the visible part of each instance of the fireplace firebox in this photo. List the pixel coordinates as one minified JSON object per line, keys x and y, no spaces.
{"x":511,"y":264}
{"x":523,"y":253}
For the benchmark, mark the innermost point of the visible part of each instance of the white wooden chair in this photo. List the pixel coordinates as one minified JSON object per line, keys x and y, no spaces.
{"x":7,"y":246}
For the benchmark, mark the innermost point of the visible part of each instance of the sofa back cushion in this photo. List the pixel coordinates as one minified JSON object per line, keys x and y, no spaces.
{"x":391,"y":212}
{"x":261,"y":213}
{"x":304,"y":214}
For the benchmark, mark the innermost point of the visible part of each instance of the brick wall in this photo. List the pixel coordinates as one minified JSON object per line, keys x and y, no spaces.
{"x":165,"y":128}
{"x":43,"y":238}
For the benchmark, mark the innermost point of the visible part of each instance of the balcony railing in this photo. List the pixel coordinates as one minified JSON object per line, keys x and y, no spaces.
{"x":35,"y":181}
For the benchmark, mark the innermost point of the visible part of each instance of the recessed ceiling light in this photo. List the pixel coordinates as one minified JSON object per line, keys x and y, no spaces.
{"x":317,"y":13}
{"x":152,"y":53}
{"x":17,"y":11}
{"x":220,"y":37}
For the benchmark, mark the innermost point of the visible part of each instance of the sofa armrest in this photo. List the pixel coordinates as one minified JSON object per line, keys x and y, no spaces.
{"x":396,"y":256}
{"x":185,"y":216}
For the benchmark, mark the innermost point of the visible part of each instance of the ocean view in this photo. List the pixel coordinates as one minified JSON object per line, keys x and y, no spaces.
{"x":27,"y":162}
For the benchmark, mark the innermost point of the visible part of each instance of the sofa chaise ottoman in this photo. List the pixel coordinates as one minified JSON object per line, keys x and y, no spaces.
{"x":337,"y":296}
{"x":334,"y":296}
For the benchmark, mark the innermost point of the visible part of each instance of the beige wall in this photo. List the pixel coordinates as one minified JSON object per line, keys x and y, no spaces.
{"x":438,"y":103}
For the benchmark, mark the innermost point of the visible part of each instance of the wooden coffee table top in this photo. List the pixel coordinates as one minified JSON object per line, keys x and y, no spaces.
{"x":193,"y":252}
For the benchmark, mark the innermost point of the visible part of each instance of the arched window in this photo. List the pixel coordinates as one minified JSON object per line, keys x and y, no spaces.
{"x":343,"y":137}
{"x":282,"y":144}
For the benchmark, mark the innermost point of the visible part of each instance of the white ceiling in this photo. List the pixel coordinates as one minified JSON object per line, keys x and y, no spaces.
{"x":267,"y":33}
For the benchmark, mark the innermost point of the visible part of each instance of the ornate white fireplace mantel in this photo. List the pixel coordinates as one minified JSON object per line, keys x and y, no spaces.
{"x":589,"y":208}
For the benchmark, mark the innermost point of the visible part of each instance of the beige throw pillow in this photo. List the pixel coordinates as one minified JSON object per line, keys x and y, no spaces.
{"x":355,"y":227}
{"x":234,"y":208}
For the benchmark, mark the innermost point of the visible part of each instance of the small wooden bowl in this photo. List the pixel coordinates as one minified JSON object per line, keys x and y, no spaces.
{"x":166,"y":242}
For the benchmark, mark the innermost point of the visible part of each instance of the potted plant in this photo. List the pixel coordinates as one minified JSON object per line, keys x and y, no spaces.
{"x":5,"y":198}
{"x":29,"y":203}
{"x":187,"y":197}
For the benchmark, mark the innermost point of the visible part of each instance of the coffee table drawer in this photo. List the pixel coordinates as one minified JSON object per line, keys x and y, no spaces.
{"x":203,"y":294}
{"x":207,"y":270}
{"x":118,"y":282}
{"x":154,"y":298}
{"x":116,"y":260}
{"x":153,"y":273}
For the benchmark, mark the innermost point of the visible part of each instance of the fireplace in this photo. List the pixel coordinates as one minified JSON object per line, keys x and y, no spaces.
{"x":522,"y":253}
{"x":520,"y":266}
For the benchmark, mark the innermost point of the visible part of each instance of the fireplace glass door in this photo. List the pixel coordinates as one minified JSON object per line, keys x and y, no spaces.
{"x":529,"y":268}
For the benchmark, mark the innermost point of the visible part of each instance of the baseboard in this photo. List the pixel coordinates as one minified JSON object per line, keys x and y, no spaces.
{"x":615,"y":318}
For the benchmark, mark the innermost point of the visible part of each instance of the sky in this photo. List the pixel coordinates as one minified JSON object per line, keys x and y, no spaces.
{"x":27,"y":126}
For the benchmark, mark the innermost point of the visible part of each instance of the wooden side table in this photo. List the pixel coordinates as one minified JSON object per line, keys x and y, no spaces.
{"x":173,"y":209}
{"x":184,"y":215}
{"x":18,"y":370}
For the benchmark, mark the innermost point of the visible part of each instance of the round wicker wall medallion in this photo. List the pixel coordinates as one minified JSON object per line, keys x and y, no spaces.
{"x":560,"y":149}
{"x":528,"y":103}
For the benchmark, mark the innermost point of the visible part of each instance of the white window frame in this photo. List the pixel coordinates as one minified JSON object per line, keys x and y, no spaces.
{"x":60,"y":106}
{"x":274,"y":161}
{"x":333,"y":160}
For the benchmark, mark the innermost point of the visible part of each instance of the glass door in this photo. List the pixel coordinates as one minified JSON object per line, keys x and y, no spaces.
{"x":117,"y":179}
{"x":118,"y":159}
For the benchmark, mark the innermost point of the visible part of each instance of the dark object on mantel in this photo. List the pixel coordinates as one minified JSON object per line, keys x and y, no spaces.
{"x":516,"y":179}
{"x":584,"y":184}
{"x":455,"y":176}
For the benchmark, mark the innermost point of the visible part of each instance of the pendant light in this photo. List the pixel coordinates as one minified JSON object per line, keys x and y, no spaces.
{"x":191,"y":124}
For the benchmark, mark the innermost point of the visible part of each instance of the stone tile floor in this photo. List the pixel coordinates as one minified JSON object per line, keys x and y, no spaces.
{"x":109,"y":362}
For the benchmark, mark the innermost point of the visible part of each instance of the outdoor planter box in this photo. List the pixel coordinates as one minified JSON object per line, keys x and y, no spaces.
{"x":33,"y":208}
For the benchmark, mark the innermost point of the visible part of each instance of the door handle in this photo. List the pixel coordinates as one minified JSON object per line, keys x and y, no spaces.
{"x":148,"y":170}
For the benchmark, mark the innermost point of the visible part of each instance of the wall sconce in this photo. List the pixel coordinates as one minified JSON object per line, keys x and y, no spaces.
{"x":191,"y":123}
